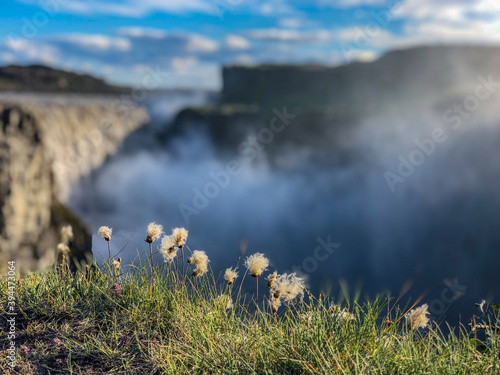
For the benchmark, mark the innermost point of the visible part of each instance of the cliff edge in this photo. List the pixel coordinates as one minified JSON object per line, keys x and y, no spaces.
{"x":46,"y":144}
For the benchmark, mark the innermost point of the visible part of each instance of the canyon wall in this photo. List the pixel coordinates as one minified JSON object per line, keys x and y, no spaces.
{"x":47,"y":142}
{"x":397,"y":76}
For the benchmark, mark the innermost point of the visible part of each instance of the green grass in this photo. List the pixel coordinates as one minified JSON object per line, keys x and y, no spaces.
{"x":161,"y":324}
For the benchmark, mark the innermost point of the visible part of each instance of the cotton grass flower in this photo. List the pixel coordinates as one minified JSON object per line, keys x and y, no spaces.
{"x":340,"y":314}
{"x":168,"y":249}
{"x":271,"y":279}
{"x":417,"y":318}
{"x":63,"y":252}
{"x":105,"y":232}
{"x":66,"y":234}
{"x":307,"y":317}
{"x":154,"y":232}
{"x":256,"y":264}
{"x":288,"y":287}
{"x":275,"y":303}
{"x":230,"y":275}
{"x":117,"y":264}
{"x":200,"y":260}
{"x":179,"y":236}
{"x":225,"y":301}
{"x":63,"y":248}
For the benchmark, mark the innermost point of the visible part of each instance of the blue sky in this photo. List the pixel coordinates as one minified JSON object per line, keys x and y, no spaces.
{"x":191,"y":39}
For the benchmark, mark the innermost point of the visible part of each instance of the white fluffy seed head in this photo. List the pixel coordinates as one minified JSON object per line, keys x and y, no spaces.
{"x":288,"y":287}
{"x":105,"y":232}
{"x":154,"y":232}
{"x":275,"y":303}
{"x":225,"y":301}
{"x":180,"y":236}
{"x":117,"y":264}
{"x":200,"y":260}
{"x":167,"y":249}
{"x":417,"y":318}
{"x":63,"y":248}
{"x":341,"y":314}
{"x":230,"y":275}
{"x":256,"y":264}
{"x":66,"y":234}
{"x":271,"y":279}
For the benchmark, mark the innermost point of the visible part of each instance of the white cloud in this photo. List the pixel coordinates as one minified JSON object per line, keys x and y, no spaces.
{"x":29,"y":50}
{"x":290,"y":23}
{"x":132,"y":8}
{"x":285,"y":35}
{"x":237,"y":42}
{"x":201,"y":44}
{"x":140,"y":68}
{"x":449,"y":21}
{"x":351,"y":3}
{"x":244,"y":59}
{"x":274,"y":7}
{"x":99,"y":42}
{"x":431,"y":22}
{"x":182,"y":65}
{"x":362,"y":35}
{"x":453,"y":11}
{"x":142,"y":32}
{"x":17,"y":44}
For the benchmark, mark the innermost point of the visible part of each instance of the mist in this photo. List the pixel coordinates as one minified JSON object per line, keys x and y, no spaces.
{"x":432,"y":228}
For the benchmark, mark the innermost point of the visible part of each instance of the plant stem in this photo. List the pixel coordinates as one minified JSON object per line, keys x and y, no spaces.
{"x":109,"y":251}
{"x":257,"y":284}
{"x":182,"y":252}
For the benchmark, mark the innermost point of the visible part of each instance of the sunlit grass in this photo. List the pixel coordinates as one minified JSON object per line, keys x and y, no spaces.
{"x":150,"y":320}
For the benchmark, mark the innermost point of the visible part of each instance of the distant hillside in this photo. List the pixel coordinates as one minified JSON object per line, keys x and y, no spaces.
{"x":398,"y":75}
{"x":38,"y":78}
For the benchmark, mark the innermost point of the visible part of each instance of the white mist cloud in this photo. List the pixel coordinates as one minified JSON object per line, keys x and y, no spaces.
{"x":237,"y":42}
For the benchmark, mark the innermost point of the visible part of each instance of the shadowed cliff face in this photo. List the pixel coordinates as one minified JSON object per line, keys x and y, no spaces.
{"x":396,"y":78}
{"x":46,"y":144}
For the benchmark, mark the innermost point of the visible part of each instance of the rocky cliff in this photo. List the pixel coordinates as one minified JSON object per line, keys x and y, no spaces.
{"x":46,"y":144}
{"x":328,"y":102}
{"x":402,"y":74}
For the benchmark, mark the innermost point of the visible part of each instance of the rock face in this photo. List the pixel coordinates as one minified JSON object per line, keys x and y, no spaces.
{"x":46,"y":144}
{"x":328,"y":102}
{"x":235,"y":130}
{"x":414,"y":73}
